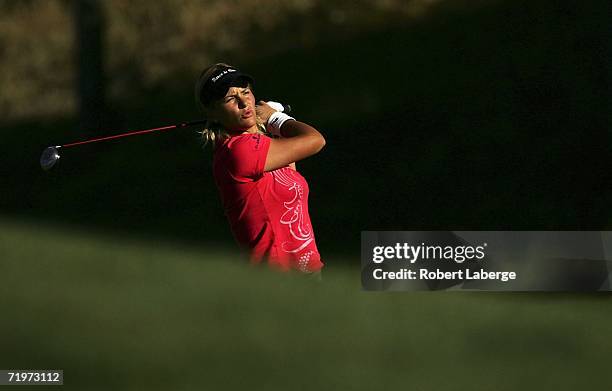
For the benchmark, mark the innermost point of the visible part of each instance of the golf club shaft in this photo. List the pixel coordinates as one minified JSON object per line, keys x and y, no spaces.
{"x":134,"y":133}
{"x":286,"y":109}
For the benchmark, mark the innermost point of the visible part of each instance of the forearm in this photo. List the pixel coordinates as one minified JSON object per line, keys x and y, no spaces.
{"x":294,"y":128}
{"x":304,"y":132}
{"x":297,"y":140}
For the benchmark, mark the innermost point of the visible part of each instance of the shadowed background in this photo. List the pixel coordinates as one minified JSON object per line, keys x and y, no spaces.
{"x":449,"y":115}
{"x":438,"y":115}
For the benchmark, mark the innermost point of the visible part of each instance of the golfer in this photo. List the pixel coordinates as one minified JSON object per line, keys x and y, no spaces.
{"x":255,"y":148}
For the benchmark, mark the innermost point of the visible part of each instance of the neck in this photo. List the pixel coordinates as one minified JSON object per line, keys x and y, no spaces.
{"x":254,"y":129}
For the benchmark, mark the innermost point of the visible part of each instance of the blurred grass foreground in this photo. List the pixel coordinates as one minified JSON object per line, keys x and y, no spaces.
{"x":127,"y":315}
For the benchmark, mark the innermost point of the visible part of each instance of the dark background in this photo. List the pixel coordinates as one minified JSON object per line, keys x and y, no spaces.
{"x":463,"y":115}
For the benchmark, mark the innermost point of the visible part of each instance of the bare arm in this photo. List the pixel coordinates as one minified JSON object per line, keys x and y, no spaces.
{"x":298,"y":141}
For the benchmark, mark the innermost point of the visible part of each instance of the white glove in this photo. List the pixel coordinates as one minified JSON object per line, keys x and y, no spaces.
{"x":276,"y":106}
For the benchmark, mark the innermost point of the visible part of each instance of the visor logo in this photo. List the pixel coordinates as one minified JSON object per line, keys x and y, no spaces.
{"x":225,"y":72}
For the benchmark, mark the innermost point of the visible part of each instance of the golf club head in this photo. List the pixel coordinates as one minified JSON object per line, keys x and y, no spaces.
{"x":49,"y":157}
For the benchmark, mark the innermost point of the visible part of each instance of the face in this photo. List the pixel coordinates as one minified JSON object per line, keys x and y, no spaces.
{"x":236,"y":111}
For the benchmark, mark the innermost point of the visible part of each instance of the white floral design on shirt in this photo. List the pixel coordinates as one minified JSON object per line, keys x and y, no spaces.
{"x":294,"y":213}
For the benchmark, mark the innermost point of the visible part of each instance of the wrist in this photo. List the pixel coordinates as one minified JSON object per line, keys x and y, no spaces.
{"x":276,"y":121}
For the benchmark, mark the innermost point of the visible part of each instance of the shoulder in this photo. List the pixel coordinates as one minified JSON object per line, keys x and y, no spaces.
{"x":243,"y":155}
{"x":248,"y":142}
{"x":243,"y":143}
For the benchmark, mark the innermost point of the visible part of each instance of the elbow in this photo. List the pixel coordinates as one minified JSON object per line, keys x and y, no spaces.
{"x":320,"y":143}
{"x":311,"y":144}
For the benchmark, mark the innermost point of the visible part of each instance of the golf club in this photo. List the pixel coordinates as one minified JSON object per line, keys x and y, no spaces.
{"x":51,"y":154}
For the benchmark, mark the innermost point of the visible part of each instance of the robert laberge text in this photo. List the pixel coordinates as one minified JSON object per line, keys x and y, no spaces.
{"x":437,"y":274}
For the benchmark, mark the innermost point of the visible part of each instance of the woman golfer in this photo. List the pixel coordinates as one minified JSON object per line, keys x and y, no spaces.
{"x":264,"y":197}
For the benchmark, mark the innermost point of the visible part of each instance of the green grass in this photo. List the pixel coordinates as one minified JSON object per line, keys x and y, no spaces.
{"x":116,"y":313}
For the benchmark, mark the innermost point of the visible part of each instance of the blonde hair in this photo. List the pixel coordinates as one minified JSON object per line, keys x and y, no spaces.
{"x":213,"y":132}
